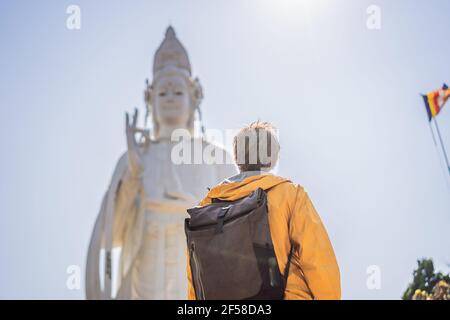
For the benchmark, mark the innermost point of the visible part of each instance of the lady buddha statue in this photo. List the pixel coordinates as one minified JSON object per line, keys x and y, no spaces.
{"x":138,"y":245}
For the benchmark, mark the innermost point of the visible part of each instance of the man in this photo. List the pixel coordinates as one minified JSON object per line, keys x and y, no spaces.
{"x":313,"y":272}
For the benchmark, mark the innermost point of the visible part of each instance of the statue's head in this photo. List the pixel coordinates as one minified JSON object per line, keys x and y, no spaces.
{"x":173,"y":96}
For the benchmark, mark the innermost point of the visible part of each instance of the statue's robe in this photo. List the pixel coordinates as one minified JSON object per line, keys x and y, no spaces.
{"x":144,"y":217}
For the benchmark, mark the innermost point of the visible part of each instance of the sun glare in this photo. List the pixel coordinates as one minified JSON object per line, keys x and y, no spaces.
{"x":290,"y":9}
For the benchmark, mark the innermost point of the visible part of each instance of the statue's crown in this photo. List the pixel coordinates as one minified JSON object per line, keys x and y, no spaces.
{"x":171,"y":53}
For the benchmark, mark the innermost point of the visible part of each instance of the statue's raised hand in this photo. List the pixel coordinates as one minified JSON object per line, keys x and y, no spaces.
{"x":134,"y":154}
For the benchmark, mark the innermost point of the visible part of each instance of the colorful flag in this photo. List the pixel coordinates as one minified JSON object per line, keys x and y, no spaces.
{"x":435,"y":100}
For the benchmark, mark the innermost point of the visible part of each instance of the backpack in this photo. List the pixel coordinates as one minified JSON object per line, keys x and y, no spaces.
{"x":231,"y":253}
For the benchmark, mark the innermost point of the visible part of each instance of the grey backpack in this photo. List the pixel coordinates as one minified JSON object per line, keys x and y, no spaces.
{"x":231,"y":252}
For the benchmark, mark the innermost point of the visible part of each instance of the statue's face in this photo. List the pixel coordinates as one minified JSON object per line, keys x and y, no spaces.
{"x":171,"y":101}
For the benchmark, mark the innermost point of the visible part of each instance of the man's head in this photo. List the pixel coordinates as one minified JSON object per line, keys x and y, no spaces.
{"x":256,"y":147}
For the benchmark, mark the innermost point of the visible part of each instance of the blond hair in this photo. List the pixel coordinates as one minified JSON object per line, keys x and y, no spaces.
{"x":256,"y":147}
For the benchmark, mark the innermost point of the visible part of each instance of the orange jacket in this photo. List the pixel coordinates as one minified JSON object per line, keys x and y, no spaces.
{"x":314,"y":272}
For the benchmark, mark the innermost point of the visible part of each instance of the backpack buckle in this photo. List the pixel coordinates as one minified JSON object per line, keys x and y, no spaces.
{"x":221,"y":218}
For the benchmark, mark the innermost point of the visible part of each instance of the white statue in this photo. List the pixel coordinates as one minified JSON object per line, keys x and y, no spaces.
{"x":143,"y":211}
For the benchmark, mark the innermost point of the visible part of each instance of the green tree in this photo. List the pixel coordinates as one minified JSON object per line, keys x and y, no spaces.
{"x":424,"y":278}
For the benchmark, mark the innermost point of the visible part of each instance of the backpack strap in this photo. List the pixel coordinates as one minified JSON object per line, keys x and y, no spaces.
{"x":291,"y":251}
{"x":286,"y":269}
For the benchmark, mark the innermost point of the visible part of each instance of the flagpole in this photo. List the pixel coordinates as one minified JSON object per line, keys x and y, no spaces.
{"x":432,"y":133}
{"x":442,"y":144}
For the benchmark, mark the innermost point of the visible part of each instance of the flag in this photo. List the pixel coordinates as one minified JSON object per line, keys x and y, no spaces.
{"x":435,"y":100}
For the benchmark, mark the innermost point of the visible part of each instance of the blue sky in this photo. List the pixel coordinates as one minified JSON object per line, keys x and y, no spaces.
{"x":352,"y":125}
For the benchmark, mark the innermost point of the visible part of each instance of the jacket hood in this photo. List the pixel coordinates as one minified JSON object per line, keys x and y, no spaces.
{"x":235,"y":190}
